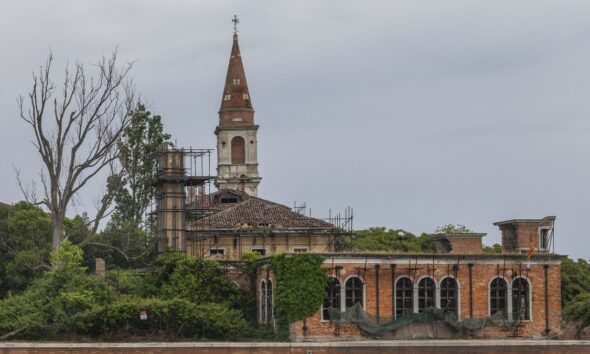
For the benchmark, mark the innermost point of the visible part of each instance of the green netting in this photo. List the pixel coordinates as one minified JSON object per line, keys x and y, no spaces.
{"x":357,"y":315}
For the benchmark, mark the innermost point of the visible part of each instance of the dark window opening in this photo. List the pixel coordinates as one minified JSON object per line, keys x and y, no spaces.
{"x":263,"y":299}
{"x":449,"y":295}
{"x":269,"y":307}
{"x":498,"y":298}
{"x":353,"y":292}
{"x":520,"y":300}
{"x":544,"y":239}
{"x":260,"y":251}
{"x":426,"y":291}
{"x":228,"y":200}
{"x":332,"y":299}
{"x":216,"y":252}
{"x":404,"y":297}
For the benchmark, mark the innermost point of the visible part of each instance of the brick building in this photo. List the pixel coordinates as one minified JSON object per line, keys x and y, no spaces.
{"x":459,"y":278}
{"x":243,"y":223}
{"x":520,"y":285}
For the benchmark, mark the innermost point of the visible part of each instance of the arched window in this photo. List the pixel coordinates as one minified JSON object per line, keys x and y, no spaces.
{"x":520,"y":299}
{"x":404,"y":296}
{"x":354,"y":292}
{"x":332,"y":299}
{"x":263,"y":298}
{"x":449,"y":295}
{"x":426,"y":291}
{"x":498,"y":298}
{"x":238,"y":150}
{"x":269,"y":309}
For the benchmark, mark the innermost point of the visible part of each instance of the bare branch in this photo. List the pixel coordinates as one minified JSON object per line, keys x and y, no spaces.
{"x":79,"y":140}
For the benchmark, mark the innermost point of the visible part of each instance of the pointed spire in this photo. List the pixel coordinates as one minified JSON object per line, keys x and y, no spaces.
{"x":235,"y":94}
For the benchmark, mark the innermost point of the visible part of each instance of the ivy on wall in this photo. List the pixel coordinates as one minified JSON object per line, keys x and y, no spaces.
{"x":300,"y":287}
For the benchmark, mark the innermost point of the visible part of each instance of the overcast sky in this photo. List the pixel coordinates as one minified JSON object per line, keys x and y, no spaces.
{"x":414,"y":113}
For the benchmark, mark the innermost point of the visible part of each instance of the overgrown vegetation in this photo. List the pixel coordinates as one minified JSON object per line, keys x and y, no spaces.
{"x":300,"y":287}
{"x":575,"y":291}
{"x":391,"y":240}
{"x":184,"y":298}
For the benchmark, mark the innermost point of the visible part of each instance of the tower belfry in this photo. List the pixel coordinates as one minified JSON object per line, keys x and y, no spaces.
{"x":237,"y":158}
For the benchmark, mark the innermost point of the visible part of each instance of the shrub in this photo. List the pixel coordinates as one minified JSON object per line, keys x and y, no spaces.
{"x":175,"y":316}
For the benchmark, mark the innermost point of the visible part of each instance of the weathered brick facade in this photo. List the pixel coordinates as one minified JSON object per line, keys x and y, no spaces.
{"x":531,"y":290}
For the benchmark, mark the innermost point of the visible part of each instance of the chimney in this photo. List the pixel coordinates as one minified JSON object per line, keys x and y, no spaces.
{"x":520,"y":234}
{"x":458,"y":243}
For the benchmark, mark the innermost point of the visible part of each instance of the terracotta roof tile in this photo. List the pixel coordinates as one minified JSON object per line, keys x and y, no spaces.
{"x":257,"y":212}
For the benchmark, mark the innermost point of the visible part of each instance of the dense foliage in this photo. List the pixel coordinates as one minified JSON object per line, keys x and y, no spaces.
{"x":391,"y":240}
{"x":453,"y":229}
{"x":575,"y":279}
{"x":138,"y":151}
{"x":25,"y":243}
{"x":300,"y":287}
{"x":66,"y":302}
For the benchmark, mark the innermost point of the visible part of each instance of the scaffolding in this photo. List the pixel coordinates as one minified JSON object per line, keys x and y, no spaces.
{"x":183,"y":177}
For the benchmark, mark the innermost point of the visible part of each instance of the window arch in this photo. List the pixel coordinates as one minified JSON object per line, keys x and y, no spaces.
{"x":404,"y":296}
{"x":449,"y":294}
{"x":353,"y":291}
{"x":332,"y":299}
{"x":238,"y":150}
{"x":498,"y":296}
{"x":520,"y":299}
{"x":426,"y":294}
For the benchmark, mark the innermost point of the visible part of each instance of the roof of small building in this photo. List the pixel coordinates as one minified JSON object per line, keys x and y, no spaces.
{"x":524,"y":221}
{"x":4,"y":205}
{"x":253,"y":212}
{"x":458,"y":235}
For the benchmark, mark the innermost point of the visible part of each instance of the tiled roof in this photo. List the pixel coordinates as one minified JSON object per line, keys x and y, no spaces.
{"x":255,"y":212}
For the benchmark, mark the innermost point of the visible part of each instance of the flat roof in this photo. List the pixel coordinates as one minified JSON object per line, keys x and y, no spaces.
{"x":524,"y":221}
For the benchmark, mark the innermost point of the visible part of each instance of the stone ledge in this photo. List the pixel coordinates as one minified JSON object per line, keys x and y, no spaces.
{"x":337,"y":344}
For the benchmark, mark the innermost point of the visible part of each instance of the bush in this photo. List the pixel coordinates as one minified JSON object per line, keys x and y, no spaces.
{"x":176,"y":316}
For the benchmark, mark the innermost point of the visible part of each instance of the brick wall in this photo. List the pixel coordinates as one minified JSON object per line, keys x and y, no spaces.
{"x":482,"y":274}
{"x":416,"y":347}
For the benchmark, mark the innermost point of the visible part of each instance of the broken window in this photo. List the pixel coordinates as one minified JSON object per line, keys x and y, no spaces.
{"x":498,"y":298}
{"x":261,"y":251}
{"x":216,"y":251}
{"x":426,"y":291}
{"x":332,"y":299}
{"x":520,"y":299}
{"x":449,"y":295}
{"x":354,"y":292}
{"x":544,"y":239}
{"x":404,"y":296}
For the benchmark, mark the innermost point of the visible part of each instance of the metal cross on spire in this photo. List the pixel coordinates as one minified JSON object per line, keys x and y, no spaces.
{"x":235,"y":20}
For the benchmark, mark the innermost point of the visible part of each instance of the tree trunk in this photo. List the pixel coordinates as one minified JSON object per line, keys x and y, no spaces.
{"x":57,"y":233}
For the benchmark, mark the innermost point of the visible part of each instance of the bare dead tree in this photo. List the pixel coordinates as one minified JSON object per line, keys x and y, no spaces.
{"x":76,"y":133}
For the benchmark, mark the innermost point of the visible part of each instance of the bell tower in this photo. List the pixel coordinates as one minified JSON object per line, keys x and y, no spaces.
{"x":237,"y":157}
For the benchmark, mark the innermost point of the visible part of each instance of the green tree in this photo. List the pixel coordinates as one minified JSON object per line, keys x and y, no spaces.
{"x":127,"y":241}
{"x":453,"y":229}
{"x":25,"y":243}
{"x":495,"y":248}
{"x":391,"y":240}
{"x":138,"y":149}
{"x":575,"y":279}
